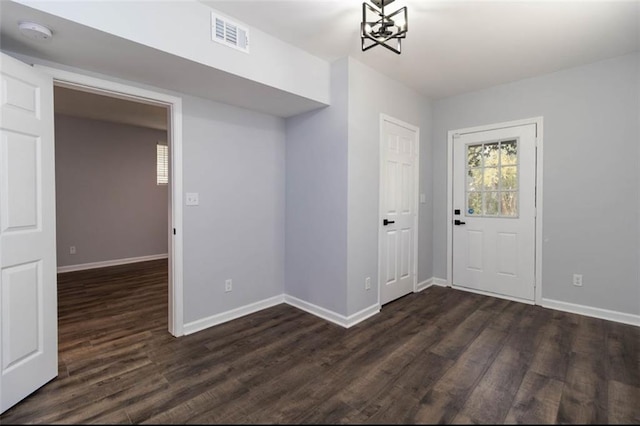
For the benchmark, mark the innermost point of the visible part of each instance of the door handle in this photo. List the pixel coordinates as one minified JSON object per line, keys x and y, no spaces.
{"x":459,"y":222}
{"x":387,"y":222}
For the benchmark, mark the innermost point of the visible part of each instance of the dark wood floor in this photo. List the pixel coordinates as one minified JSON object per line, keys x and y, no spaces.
{"x":439,"y":356}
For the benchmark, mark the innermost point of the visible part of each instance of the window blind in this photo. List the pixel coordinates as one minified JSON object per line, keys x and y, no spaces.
{"x":162,"y":164}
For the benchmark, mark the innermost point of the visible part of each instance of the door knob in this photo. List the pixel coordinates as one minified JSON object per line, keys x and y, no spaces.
{"x":386,"y":222}
{"x":458,"y":222}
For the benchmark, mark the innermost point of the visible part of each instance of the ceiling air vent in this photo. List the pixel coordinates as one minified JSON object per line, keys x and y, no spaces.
{"x":229,"y":33}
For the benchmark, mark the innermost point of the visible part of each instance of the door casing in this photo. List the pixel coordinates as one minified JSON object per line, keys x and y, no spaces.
{"x":416,"y":198}
{"x":95,"y":85}
{"x":538,"y":121}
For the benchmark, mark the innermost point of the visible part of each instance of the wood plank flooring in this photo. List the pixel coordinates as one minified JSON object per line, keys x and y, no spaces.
{"x":439,"y":356}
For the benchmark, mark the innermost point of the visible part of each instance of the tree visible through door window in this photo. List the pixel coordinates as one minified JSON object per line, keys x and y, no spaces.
{"x":162,"y":164}
{"x":492,"y":179}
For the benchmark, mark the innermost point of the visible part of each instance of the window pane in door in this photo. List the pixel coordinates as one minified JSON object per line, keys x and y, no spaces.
{"x":509,"y":152}
{"x":509,"y":203}
{"x":474,"y":155}
{"x":491,"y":204}
{"x":491,"y":178}
{"x":474,"y":179}
{"x":474,"y":204}
{"x":509,"y":177}
{"x":491,"y":154}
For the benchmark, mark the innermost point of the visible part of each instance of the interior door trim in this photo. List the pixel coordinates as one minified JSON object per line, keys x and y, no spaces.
{"x":101,"y":86}
{"x":538,"y":122}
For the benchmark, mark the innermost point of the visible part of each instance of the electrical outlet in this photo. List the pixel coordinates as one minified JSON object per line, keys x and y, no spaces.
{"x":367,"y":283}
{"x":577,"y":280}
{"x":72,"y":250}
{"x":228,"y":285}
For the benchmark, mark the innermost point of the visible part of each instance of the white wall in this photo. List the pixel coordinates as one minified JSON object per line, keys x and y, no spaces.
{"x":333,"y":162}
{"x":183,"y":29}
{"x":235,"y":160}
{"x":321,"y":207}
{"x":108,"y":203}
{"x":591,"y":182}
{"x":370,"y":94}
{"x":316,"y":199}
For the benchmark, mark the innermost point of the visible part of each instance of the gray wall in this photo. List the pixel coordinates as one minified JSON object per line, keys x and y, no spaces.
{"x":333,"y":165}
{"x":370,"y":94}
{"x":235,"y":160}
{"x":316,"y":199}
{"x":591,"y":180}
{"x":108,"y":204}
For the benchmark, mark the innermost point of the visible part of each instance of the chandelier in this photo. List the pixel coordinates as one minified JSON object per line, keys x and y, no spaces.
{"x":378,"y":29}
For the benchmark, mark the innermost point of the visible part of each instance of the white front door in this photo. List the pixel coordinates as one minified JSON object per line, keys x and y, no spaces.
{"x":494,"y":175}
{"x":28,"y":301}
{"x":398,"y":208}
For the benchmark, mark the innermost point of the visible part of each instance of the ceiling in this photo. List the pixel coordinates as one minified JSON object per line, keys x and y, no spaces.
{"x":88,"y":49}
{"x":455,"y":46}
{"x":82,"y":104}
{"x":452,"y":46}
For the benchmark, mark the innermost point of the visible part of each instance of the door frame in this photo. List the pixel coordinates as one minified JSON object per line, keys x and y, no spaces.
{"x":416,"y":198}
{"x":538,"y":122}
{"x":173,"y":104}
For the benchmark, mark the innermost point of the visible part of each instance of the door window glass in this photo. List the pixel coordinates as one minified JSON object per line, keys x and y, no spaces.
{"x":492,"y":179}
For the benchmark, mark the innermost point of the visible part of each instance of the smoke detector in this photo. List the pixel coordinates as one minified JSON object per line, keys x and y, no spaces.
{"x":35,"y":31}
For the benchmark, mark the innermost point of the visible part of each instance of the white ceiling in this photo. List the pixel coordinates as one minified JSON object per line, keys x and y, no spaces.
{"x":88,"y":49}
{"x":455,"y":46}
{"x":452,"y":46}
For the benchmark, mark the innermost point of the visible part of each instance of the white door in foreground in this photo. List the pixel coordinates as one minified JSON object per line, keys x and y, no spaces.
{"x":399,"y":166}
{"x":494,"y":175}
{"x":28,"y":300}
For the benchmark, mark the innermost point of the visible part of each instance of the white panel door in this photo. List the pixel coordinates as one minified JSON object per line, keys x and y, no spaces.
{"x":494,"y":175}
{"x":28,"y":301}
{"x":398,"y":206}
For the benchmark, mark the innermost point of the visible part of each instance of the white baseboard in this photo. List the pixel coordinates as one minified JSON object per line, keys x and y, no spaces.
{"x":203,"y":323}
{"x":318,"y":311}
{"x":589,"y":311}
{"x":362,"y":315}
{"x":424,"y":285}
{"x":351,"y":320}
{"x":341,"y":320}
{"x":430,"y":282}
{"x":442,"y":282}
{"x":115,"y":262}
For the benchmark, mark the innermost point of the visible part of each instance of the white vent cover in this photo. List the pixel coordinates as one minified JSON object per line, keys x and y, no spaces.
{"x":229,"y":33}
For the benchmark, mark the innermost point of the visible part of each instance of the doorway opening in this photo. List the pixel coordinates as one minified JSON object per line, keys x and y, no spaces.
{"x":172,"y":107}
{"x":112,"y":218}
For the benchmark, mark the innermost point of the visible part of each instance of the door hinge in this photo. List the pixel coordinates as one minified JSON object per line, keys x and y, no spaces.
{"x":174,"y":231}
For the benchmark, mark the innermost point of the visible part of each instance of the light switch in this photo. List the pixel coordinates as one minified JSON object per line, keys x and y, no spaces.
{"x":423,"y":198}
{"x":192,"y":199}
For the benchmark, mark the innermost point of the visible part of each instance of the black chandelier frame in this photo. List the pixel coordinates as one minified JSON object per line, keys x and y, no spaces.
{"x":383,"y":28}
